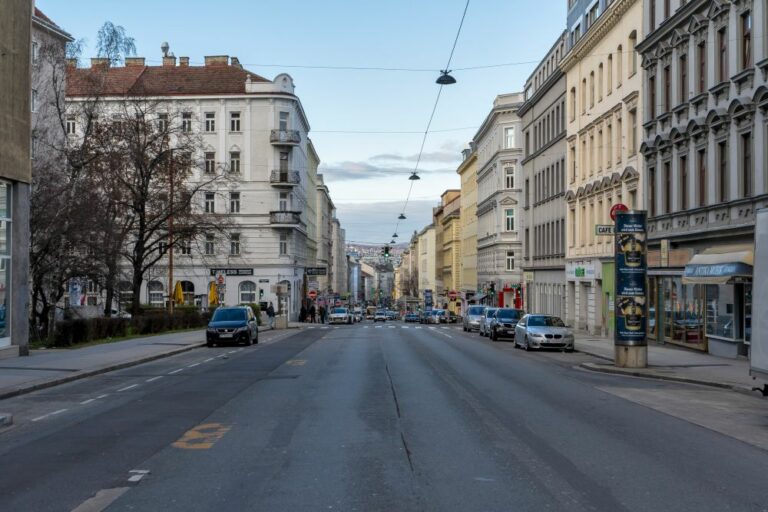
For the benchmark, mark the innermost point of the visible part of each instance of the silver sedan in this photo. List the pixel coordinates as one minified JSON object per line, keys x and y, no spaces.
{"x":543,"y":331}
{"x":485,"y":322}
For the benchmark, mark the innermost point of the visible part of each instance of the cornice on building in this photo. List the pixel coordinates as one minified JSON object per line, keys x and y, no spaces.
{"x":609,"y":19}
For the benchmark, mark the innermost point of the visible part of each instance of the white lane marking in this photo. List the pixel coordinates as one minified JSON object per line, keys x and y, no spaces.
{"x":126,"y":388}
{"x":335,"y":327}
{"x":432,"y":328}
{"x":154,"y":378}
{"x":84,"y":402}
{"x":54,"y":413}
{"x":445,"y":327}
{"x":365,"y":327}
{"x":392,"y":326}
{"x":101,"y":500}
{"x":209,"y":360}
{"x":311,"y":327}
{"x":323,"y":328}
{"x":137,"y":475}
{"x":418,"y":327}
{"x":102,"y":396}
{"x":139,"y":471}
{"x":232,"y":352}
{"x":135,"y":478}
{"x":405,"y":327}
{"x":222,"y":355}
{"x":193,"y":365}
{"x":175,"y":371}
{"x":378,"y":326}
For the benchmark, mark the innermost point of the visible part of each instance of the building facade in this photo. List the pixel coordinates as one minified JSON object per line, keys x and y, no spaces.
{"x":256,"y":130}
{"x":499,"y":203}
{"x":604,"y":108}
{"x":427,"y":262}
{"x":705,"y":140}
{"x":15,"y":175}
{"x":450,"y":249}
{"x":543,"y":115}
{"x":468,"y":217}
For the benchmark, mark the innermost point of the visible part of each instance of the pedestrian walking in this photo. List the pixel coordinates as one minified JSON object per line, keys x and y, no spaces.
{"x":322,"y":314}
{"x":312,"y":313}
{"x":303,"y":314}
{"x":271,"y":315}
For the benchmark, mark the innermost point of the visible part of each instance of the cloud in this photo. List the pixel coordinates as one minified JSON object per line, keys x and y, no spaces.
{"x":374,"y":222}
{"x":365,"y":171}
{"x":444,"y":157}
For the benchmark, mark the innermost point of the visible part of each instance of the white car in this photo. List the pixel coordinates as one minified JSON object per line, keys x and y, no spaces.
{"x":340,"y":316}
{"x":380,"y":316}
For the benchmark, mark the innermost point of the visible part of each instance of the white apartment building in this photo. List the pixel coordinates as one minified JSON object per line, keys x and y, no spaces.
{"x":499,"y":203}
{"x":273,"y":199}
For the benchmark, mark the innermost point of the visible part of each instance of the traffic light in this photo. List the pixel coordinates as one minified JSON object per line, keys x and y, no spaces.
{"x":386,"y":251}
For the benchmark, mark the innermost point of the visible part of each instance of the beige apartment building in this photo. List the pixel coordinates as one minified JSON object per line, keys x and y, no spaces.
{"x":604,"y":129}
{"x":450,"y":249}
{"x":427,"y":259}
{"x":468,"y":218}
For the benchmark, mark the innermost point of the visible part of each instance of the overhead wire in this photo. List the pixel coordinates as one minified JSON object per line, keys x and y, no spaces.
{"x":432,"y":115}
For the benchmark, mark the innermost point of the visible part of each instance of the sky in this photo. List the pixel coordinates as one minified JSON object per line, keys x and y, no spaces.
{"x":366,"y":172}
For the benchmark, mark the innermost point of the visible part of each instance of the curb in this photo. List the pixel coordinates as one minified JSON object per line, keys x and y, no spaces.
{"x":28,"y":388}
{"x":635,"y":373}
{"x":593,"y":354}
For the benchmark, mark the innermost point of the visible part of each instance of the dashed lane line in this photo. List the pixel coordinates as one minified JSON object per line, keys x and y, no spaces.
{"x":153,"y":379}
{"x":126,"y":388}
{"x":54,"y":413}
{"x":175,"y":371}
{"x":193,"y":365}
{"x":86,"y":402}
{"x":209,"y":360}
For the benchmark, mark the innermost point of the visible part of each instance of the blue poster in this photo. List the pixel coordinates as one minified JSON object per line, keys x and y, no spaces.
{"x":631,"y":270}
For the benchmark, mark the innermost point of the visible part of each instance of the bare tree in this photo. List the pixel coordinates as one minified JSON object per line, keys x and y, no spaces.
{"x":114,"y":43}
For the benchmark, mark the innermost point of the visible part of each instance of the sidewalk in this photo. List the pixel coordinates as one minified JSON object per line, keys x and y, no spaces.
{"x":671,"y":363}
{"x":50,"y":367}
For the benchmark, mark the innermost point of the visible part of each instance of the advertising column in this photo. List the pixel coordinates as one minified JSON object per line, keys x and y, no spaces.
{"x":631,"y":316}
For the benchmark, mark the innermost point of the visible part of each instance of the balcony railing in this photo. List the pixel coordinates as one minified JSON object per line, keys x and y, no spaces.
{"x":285,"y":218}
{"x":285,"y":137}
{"x":281,"y":178}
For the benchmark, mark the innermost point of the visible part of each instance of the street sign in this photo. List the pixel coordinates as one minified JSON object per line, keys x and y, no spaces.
{"x":221,"y":278}
{"x":619,"y":207}
{"x":312,"y":294}
{"x":452,"y":294}
{"x":232,"y":271}
{"x":604,"y":229}
{"x":316,"y":271}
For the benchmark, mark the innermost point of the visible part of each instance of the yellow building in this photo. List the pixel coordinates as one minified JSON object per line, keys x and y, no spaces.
{"x":449,"y":250}
{"x":467,"y":283}
{"x":604,"y":80}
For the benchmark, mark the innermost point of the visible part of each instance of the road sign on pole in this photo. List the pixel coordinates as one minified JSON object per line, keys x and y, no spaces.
{"x":312,"y":294}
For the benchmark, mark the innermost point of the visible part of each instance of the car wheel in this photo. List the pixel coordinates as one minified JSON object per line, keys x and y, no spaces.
{"x":209,"y":344}
{"x":493,"y":336}
{"x":527,"y":345}
{"x":249,"y":340}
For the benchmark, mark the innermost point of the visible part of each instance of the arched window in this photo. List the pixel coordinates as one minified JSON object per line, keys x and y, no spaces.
{"x":247,"y":292}
{"x":188,"y":289}
{"x":633,"y":53}
{"x":619,"y":64}
{"x":155,"y":292}
{"x":573,"y":104}
{"x":583,"y":95}
{"x":609,"y":76}
{"x":125,"y":293}
{"x":600,"y":82}
{"x":591,"y":89}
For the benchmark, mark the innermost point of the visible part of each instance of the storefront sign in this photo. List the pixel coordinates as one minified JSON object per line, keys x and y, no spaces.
{"x":582,"y":270}
{"x":528,"y":276}
{"x":315,"y":271}
{"x":631,"y":269}
{"x":263,"y":280}
{"x":232,"y":271}
{"x":604,"y":229}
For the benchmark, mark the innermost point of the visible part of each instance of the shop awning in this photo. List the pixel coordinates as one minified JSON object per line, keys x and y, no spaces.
{"x":719,"y":265}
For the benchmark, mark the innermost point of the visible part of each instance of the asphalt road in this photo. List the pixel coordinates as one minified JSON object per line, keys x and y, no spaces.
{"x":378,"y":418}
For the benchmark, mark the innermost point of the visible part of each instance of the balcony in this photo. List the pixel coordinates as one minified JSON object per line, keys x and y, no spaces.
{"x":281,"y":178}
{"x":284,"y":137}
{"x":284,"y":219}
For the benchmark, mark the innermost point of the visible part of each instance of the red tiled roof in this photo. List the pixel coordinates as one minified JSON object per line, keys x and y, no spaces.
{"x":159,"y":80}
{"x":39,"y":14}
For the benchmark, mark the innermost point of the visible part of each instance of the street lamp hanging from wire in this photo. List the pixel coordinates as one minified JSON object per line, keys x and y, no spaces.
{"x":445,"y":78}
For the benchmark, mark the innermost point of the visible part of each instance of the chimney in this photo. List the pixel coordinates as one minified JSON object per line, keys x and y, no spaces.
{"x":72,"y":63}
{"x":99,"y":62}
{"x":184,"y":62}
{"x":169,"y":60}
{"x":216,"y":60}
{"x":235,"y":62}
{"x":134,"y":61}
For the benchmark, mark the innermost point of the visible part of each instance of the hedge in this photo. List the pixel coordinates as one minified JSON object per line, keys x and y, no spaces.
{"x":83,"y":330}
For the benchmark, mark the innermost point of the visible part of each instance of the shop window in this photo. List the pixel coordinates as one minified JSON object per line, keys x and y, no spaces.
{"x":721,"y":318}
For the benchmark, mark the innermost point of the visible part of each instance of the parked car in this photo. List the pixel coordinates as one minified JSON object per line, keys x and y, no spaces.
{"x":424,"y":318}
{"x":357,"y":314}
{"x":453,"y":318}
{"x":411,"y":317}
{"x":380,"y":316}
{"x":340,"y":316}
{"x":392,"y":315}
{"x":232,"y":325}
{"x":485,"y":323}
{"x":504,"y":323}
{"x":543,"y":331}
{"x":472,"y":318}
{"x":442,"y":316}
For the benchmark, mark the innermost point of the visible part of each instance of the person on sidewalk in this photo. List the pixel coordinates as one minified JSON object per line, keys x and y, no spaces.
{"x":312,"y":313}
{"x":271,"y":315}
{"x":322,"y":314}
{"x":303,"y":314}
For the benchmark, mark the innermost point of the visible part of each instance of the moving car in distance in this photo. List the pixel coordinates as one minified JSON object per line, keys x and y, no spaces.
{"x":340,"y":316}
{"x":472,"y":318}
{"x":504,"y":323}
{"x":411,"y":317}
{"x":485,"y":323}
{"x":453,"y":318}
{"x":442,"y":316}
{"x":380,"y":316}
{"x":232,"y":325}
{"x":543,"y":331}
{"x":357,"y":313}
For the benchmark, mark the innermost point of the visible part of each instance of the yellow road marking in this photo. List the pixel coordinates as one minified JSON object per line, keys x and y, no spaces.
{"x":296,"y":362}
{"x":202,"y":437}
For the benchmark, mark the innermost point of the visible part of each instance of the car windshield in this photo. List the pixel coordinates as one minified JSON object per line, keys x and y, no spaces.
{"x":508,"y":314}
{"x":476,"y":310}
{"x":490,"y":311}
{"x":545,"y":321}
{"x":339,"y":311}
{"x":229,"y":315}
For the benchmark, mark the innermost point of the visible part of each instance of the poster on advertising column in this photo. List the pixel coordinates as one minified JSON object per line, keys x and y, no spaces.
{"x":631,"y":269}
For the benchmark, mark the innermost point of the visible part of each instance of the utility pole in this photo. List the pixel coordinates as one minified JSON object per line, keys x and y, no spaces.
{"x":170,"y":243}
